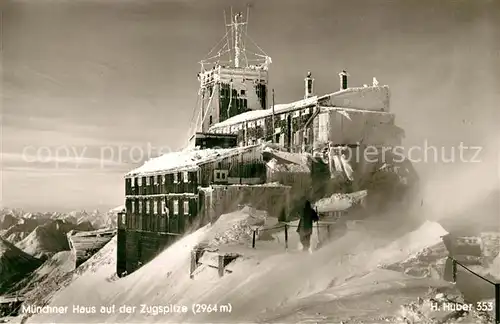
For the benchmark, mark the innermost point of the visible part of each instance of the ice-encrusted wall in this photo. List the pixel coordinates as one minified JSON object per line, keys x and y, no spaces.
{"x":351,"y":126}
{"x":364,"y":98}
{"x":233,"y":91}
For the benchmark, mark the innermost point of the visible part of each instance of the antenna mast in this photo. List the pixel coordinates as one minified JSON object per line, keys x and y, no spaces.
{"x":236,"y":25}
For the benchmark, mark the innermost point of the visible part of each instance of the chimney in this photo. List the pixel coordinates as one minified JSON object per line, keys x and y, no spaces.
{"x":308,"y":86}
{"x":343,"y":80}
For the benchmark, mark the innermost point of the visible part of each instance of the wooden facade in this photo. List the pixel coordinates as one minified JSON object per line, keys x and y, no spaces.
{"x":208,"y":140}
{"x":163,"y":205}
{"x":291,"y":129}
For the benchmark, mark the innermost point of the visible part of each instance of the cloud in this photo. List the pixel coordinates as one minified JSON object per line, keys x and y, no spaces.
{"x":58,"y":161}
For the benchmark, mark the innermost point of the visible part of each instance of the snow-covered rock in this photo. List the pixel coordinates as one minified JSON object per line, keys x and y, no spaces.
{"x":340,"y":201}
{"x":46,"y":240}
{"x":434,"y":308}
{"x":429,"y":234}
{"x":429,"y":262}
{"x":7,"y":220}
{"x":490,"y":246}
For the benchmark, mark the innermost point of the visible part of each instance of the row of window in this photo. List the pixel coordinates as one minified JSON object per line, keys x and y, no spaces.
{"x":162,"y":178}
{"x":227,"y":92}
{"x":261,"y":122}
{"x":155,"y":208}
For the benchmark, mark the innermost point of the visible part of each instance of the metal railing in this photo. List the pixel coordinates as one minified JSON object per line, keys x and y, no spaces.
{"x":456,"y":263}
{"x":287,"y":227}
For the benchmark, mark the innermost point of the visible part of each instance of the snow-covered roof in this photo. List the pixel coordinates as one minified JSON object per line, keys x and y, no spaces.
{"x":186,"y":160}
{"x":346,"y":111}
{"x":353,"y":90}
{"x":278,"y":109}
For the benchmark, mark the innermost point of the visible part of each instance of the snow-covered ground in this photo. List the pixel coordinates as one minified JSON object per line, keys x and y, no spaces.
{"x":337,"y":282}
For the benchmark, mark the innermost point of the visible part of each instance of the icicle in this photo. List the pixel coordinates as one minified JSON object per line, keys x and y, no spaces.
{"x":347,"y":167}
{"x":230,"y":97}
{"x":344,"y":113}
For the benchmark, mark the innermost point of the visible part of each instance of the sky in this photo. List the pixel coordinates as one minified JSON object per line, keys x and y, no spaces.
{"x":91,"y":89}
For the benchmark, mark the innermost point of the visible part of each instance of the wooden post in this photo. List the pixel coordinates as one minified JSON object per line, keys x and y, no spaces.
{"x":221,"y":265}
{"x":193,"y":264}
{"x":497,"y":303}
{"x":286,"y":236}
{"x":454,"y":270}
{"x":253,"y":238}
{"x":272,"y":120}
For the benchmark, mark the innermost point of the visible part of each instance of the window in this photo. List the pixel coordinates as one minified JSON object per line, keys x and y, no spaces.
{"x":186,"y":207}
{"x":123,"y":219}
{"x":283,"y":116}
{"x":139,"y":182}
{"x":163,"y":207}
{"x":155,"y":207}
{"x":147,"y":206}
{"x":185,"y":176}
{"x":163,"y":179}
{"x":220,"y":174}
{"x":296,"y":113}
{"x":132,"y":182}
{"x":156,"y":180}
{"x":176,"y":178}
{"x":147,"y":181}
{"x":176,"y":207}
{"x":306,"y":111}
{"x":243,"y":92}
{"x":132,"y":206}
{"x":245,"y":103}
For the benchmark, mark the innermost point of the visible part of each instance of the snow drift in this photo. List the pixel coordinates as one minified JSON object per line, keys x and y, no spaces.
{"x":236,"y":227}
{"x":258,"y":283}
